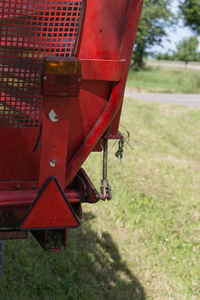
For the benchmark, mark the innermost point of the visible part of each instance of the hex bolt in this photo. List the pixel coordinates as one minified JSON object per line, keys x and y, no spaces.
{"x":52,"y":163}
{"x":79,"y":79}
{"x":45,"y":78}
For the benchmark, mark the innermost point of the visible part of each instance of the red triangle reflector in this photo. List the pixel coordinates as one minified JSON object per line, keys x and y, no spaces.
{"x":50,"y":210}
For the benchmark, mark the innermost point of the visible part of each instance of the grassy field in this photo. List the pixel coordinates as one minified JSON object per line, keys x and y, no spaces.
{"x":145,"y":242}
{"x":165,"y":80}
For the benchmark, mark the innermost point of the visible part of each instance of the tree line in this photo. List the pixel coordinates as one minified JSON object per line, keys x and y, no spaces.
{"x":185,"y":51}
{"x":156,"y":16}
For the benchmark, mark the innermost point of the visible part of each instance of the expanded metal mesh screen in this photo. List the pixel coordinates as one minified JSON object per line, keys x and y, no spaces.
{"x":29,"y":30}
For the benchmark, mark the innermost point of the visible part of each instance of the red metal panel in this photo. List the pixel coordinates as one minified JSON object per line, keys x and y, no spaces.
{"x":99,"y":69}
{"x":112,"y":131}
{"x":85,"y":110}
{"x":103,"y":29}
{"x":17,"y":159}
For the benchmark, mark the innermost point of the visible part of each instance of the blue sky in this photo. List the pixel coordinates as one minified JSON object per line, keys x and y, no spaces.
{"x":173,"y":38}
{"x":175,"y":35}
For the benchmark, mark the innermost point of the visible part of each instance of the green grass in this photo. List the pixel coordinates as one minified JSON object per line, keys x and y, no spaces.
{"x":165,"y":80}
{"x":145,"y":242}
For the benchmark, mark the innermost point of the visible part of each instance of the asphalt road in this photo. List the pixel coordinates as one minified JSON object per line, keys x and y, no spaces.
{"x":174,"y":64}
{"x":180,"y":99}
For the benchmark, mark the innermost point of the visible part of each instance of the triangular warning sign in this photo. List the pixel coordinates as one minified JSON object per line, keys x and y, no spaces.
{"x":50,"y":210}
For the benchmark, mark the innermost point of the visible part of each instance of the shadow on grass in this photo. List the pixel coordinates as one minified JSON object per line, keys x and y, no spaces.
{"x":110,"y":275}
{"x":90,"y":268}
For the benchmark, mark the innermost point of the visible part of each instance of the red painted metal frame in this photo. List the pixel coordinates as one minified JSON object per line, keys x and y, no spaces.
{"x":124,"y":51}
{"x":26,"y":198}
{"x":105,"y":43}
{"x":14,"y":204}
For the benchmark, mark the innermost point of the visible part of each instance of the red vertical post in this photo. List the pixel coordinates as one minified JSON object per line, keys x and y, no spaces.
{"x":61,"y":82}
{"x":54,"y":139}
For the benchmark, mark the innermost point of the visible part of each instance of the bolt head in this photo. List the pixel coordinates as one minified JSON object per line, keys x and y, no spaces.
{"x":53,"y":116}
{"x":52,"y":163}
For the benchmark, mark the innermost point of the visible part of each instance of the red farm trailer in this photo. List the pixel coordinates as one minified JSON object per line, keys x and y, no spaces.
{"x":63,"y":66}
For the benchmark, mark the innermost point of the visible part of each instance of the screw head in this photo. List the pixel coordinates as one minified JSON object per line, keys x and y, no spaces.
{"x":52,"y":163}
{"x":79,"y":79}
{"x":45,"y":78}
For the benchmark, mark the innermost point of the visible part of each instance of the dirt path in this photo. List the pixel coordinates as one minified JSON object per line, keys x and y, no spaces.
{"x":180,"y":99}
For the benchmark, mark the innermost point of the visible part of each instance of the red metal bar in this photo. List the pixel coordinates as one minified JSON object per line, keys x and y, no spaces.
{"x":94,"y":69}
{"x":18,"y":185}
{"x":54,"y":140}
{"x":9,"y":235}
{"x":20,"y":198}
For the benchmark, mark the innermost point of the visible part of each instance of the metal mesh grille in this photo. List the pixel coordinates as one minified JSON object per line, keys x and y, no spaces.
{"x":29,"y":30}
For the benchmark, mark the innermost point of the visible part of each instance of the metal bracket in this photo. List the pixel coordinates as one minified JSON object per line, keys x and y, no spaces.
{"x":105,"y":189}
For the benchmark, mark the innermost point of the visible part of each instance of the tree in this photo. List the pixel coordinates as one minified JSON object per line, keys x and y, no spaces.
{"x":191,"y":12}
{"x":164,"y":56}
{"x":154,"y":18}
{"x":187,"y":50}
